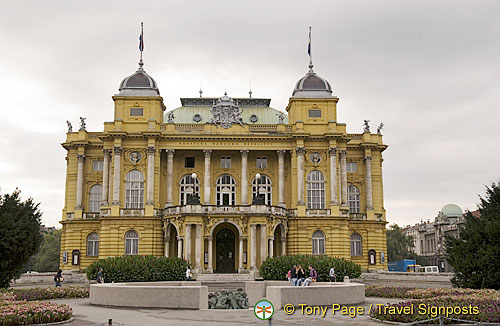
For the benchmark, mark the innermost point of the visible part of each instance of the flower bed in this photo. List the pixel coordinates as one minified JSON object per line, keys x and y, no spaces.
{"x":34,"y":312}
{"x":50,"y":293}
{"x":18,"y":306}
{"x":465,"y":304}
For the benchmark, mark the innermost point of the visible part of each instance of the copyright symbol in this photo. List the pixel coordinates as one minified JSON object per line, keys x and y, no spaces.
{"x":289,"y":309}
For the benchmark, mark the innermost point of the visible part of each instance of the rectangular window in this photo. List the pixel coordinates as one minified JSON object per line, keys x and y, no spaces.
{"x":65,"y":257}
{"x":136,"y":112}
{"x":261,"y":162}
{"x":225,"y":162}
{"x":314,"y":113}
{"x":189,"y":162}
{"x":352,"y":167}
{"x":97,"y":165}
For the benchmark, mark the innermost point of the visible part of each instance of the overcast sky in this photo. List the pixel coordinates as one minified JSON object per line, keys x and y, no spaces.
{"x":430,"y":70}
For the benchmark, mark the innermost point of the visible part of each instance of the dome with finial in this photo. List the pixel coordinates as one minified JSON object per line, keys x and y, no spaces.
{"x":139,"y":84}
{"x":312,"y":86}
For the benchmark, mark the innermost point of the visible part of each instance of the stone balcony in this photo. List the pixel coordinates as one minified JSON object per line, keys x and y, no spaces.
{"x":226,"y":210}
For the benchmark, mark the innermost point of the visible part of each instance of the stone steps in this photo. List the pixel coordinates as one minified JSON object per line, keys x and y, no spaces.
{"x":224,"y":277}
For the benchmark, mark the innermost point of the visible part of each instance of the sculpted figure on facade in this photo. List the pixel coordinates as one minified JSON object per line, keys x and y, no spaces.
{"x":226,"y":113}
{"x":70,"y":127}
{"x":83,"y":125}
{"x":170,"y":117}
{"x":379,"y":128}
{"x":366,"y":126}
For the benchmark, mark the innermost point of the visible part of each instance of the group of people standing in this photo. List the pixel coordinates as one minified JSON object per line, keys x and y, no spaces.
{"x":297,"y":276}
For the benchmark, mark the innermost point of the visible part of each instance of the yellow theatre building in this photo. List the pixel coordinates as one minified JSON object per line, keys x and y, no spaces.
{"x":223,"y":182}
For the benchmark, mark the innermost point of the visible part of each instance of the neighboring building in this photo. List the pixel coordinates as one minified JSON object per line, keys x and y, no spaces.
{"x":46,"y":229}
{"x":223,"y":182}
{"x":429,"y":237}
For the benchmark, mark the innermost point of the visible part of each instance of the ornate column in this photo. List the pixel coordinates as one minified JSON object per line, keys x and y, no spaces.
{"x":167,"y":246}
{"x":105,"y":177}
{"x":170,"y":175}
{"x":244,"y":176}
{"x":240,"y":260}
{"x":263,"y":243}
{"x":281,"y":178}
{"x":206,"y":177}
{"x":333,"y":176}
{"x":253,"y":246}
{"x":151,"y":175}
{"x":116,"y":175}
{"x":343,"y":176}
{"x":197,"y":248}
{"x":79,"y":182}
{"x":179,"y":247}
{"x":271,"y":247}
{"x":210,"y":267}
{"x":300,"y":175}
{"x":368,"y":181}
{"x":283,"y":246}
{"x":187,"y":244}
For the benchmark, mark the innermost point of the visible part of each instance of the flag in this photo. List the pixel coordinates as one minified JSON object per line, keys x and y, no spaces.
{"x":141,"y":40}
{"x":309,"y":46}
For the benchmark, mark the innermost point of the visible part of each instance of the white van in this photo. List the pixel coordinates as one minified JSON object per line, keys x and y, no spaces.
{"x":429,"y":269}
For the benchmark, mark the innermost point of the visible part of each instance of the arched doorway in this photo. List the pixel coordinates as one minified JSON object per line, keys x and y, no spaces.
{"x":225,"y":251}
{"x":172,"y":245}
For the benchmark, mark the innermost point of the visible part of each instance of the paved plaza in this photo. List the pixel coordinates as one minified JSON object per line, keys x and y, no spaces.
{"x":86,"y":314}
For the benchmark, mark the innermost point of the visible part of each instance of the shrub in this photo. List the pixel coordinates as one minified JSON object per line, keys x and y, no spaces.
{"x":139,"y":269}
{"x":31,"y":294}
{"x":277,"y":268}
{"x":419,"y":293}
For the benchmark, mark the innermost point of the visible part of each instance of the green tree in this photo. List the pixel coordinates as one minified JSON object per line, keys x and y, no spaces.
{"x":47,"y":257}
{"x":19,"y":234}
{"x":398,"y":244}
{"x":475,"y":253}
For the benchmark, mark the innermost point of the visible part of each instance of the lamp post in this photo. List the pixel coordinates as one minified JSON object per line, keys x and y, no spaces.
{"x":258,"y":200}
{"x":193,"y":198}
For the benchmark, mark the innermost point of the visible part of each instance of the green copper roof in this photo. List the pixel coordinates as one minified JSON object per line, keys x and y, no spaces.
{"x":254,"y":111}
{"x":452,"y":210}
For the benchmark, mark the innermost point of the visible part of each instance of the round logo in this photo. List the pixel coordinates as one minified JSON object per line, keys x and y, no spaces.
{"x":263,"y":310}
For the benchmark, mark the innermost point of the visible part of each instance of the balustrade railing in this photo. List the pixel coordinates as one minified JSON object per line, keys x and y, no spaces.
{"x":226,"y":209}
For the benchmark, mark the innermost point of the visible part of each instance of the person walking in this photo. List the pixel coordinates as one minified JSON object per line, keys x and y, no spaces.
{"x":313,"y":276}
{"x":100,"y":278}
{"x":333,"y":277}
{"x":300,"y":276}
{"x":58,"y":278}
{"x":188,"y":273}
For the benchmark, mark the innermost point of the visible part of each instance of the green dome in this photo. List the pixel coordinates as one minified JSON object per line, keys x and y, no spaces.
{"x":452,"y":210}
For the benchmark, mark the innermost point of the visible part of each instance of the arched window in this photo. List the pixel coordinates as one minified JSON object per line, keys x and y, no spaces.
{"x":188,"y":187}
{"x":226,"y":190}
{"x":318,"y":243}
{"x":263,"y":187}
{"x":131,"y":243}
{"x":356,"y":249}
{"x":95,"y":198}
{"x":134,"y":189}
{"x":353,"y":199}
{"x":315,"y":190}
{"x":93,"y":244}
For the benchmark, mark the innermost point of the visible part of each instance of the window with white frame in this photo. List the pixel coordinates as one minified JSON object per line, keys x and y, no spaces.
{"x":263,"y":188}
{"x":97,"y":165}
{"x":131,"y":243}
{"x":318,"y":243}
{"x":352,"y":167}
{"x":93,"y":244}
{"x":261,"y":162}
{"x":95,"y":198}
{"x":188,"y":187}
{"x":353,"y":199}
{"x":225,"y":162}
{"x":226,"y":190}
{"x":315,"y":190}
{"x":134,"y":190}
{"x":356,"y":249}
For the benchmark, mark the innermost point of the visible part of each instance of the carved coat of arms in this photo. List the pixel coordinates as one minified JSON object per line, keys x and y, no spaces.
{"x":225,"y":112}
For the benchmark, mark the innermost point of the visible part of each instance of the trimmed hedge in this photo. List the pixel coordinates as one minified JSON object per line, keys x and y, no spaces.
{"x":138,"y":269}
{"x":277,"y":268}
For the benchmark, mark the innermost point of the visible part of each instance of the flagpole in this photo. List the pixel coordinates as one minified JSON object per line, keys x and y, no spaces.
{"x":310,"y":50}
{"x":142,"y":42}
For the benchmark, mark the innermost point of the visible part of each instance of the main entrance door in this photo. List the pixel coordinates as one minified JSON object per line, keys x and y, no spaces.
{"x":224,"y":251}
